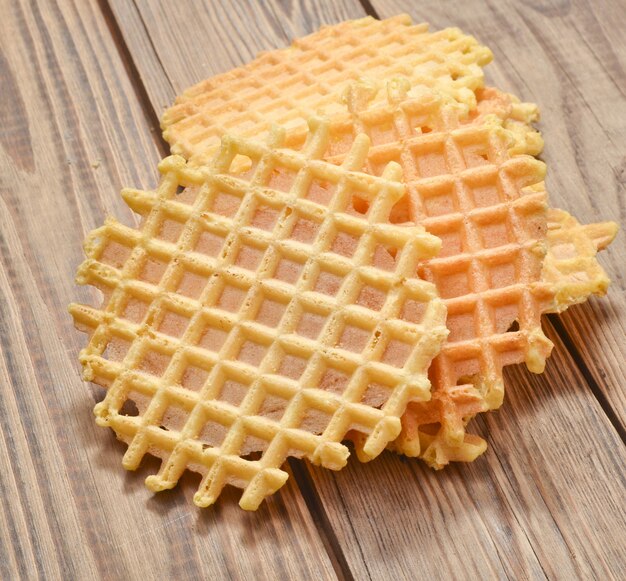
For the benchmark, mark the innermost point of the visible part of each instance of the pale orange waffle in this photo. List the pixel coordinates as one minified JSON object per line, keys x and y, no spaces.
{"x":422,"y":135}
{"x":570,"y":265}
{"x":572,"y":274}
{"x":273,"y":311}
{"x":288,"y":86}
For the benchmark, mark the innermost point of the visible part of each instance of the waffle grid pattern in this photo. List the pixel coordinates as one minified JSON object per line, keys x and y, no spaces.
{"x":289,"y":86}
{"x":402,"y":335}
{"x":489,"y":209}
{"x":571,"y":265}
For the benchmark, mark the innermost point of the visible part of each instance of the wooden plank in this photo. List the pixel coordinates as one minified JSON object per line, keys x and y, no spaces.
{"x":73,"y":132}
{"x":569,"y":60}
{"x":175,"y":49}
{"x":547,"y":500}
{"x":502,"y":517}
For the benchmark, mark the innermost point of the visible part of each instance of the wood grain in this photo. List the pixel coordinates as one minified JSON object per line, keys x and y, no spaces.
{"x":175,"y":49}
{"x":503,"y":517}
{"x":75,"y":133}
{"x":571,"y":61}
{"x":83,"y":86}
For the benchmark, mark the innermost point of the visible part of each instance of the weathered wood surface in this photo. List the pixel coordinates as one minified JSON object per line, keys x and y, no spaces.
{"x":174,"y":49}
{"x":83,"y":85}
{"x":73,"y":132}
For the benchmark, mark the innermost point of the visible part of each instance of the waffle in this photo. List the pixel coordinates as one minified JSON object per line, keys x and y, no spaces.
{"x":570,"y":265}
{"x":288,"y":86}
{"x":273,"y":311}
{"x":572,"y":274}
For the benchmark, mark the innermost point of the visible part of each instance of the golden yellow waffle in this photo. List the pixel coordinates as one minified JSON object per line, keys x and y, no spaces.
{"x":489,"y":208}
{"x":288,"y":86}
{"x":570,"y":265}
{"x":274,"y":311}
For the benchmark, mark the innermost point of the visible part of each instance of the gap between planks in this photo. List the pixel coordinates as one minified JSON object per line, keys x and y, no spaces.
{"x":570,"y":345}
{"x":150,"y":113}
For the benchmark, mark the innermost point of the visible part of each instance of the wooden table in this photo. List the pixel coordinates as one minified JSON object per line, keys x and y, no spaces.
{"x":83,"y":85}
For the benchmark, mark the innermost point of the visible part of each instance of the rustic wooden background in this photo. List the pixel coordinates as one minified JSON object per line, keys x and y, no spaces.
{"x":83,"y":84}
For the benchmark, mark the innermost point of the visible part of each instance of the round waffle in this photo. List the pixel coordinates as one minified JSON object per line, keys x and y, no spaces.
{"x":275,"y":311}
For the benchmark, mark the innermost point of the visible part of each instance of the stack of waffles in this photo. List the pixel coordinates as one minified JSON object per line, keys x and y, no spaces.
{"x":352,"y":239}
